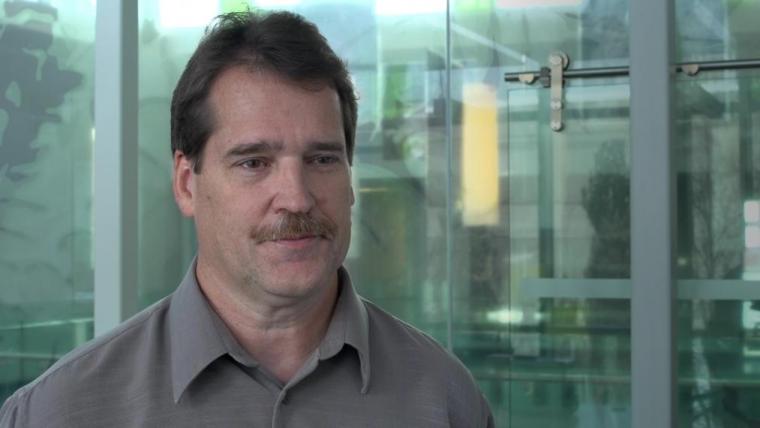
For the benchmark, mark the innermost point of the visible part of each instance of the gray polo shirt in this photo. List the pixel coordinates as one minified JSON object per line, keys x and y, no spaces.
{"x":177,"y":364}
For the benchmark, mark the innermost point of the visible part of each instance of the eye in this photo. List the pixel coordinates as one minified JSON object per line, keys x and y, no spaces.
{"x":325,"y":160}
{"x":255,"y":163}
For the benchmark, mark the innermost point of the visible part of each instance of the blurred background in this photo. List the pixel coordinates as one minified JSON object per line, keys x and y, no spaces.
{"x":476,"y":222}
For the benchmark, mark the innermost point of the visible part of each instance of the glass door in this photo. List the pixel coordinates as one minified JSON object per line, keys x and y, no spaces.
{"x":717,"y":141}
{"x":718,"y":248}
{"x":541,"y":226}
{"x":46,"y":143}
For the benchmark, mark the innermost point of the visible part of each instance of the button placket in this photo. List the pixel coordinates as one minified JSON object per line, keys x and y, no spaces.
{"x":282,"y":400}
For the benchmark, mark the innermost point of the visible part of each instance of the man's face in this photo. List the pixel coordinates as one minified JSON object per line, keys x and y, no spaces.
{"x":272,"y":202}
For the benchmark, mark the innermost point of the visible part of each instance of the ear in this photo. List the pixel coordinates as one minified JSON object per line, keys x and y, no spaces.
{"x":183,"y":184}
{"x":351,"y":184}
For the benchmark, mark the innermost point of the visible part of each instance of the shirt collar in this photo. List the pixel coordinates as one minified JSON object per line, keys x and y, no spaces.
{"x":198,"y":335}
{"x":349,"y":325}
{"x":194,"y":339}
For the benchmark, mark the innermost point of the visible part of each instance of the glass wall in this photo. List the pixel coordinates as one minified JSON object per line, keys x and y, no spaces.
{"x":540,"y":259}
{"x":718,"y":198}
{"x":46,"y":137}
{"x":166,"y":241}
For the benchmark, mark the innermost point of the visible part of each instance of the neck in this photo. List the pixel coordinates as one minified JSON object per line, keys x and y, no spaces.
{"x":280,"y":334}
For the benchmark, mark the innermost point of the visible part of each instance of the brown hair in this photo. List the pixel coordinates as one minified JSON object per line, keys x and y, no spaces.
{"x":281,"y":42}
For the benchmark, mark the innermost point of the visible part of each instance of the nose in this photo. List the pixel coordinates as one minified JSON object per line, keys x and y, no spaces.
{"x":292,"y":191}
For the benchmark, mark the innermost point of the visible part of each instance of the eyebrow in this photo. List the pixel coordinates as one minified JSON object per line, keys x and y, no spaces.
{"x":327,"y":147}
{"x":248,"y":149}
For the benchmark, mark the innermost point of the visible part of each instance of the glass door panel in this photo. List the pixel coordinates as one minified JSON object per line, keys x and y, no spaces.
{"x":166,"y":240}
{"x":519,"y":35}
{"x":709,"y":30}
{"x":540,"y":265}
{"x":717,"y":146}
{"x":541,"y":297}
{"x":46,"y":140}
{"x":718,"y":197}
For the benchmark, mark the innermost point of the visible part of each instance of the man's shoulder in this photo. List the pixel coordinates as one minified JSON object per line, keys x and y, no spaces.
{"x":119,"y":343}
{"x":98,"y":368}
{"x":410,"y":343}
{"x":412,"y":359}
{"x":389,"y":327}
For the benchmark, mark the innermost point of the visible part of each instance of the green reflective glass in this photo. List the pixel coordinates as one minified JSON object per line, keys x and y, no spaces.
{"x":541,"y":236}
{"x":718,"y":246}
{"x":46,"y":137}
{"x":519,"y":35}
{"x":541,"y":309}
{"x":708,"y":30}
{"x":398,"y":250}
{"x":717,"y":199}
{"x":166,"y":241}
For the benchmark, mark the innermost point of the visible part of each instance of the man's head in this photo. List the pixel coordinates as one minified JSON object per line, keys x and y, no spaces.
{"x":282,"y":43}
{"x":269,"y":109}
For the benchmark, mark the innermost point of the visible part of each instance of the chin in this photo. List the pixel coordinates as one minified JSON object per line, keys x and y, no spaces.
{"x":295,"y":284}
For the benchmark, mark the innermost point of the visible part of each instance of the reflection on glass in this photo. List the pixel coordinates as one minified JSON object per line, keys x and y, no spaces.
{"x":519,"y":35}
{"x":718,"y":192}
{"x":165,"y":238}
{"x":709,"y":30}
{"x":541,"y":310}
{"x":46,"y":120}
{"x":480,"y":155}
{"x":718,"y":230}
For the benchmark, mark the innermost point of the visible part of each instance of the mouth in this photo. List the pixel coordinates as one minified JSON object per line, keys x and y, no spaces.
{"x":296,"y":242}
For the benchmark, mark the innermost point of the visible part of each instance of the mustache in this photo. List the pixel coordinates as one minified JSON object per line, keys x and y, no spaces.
{"x":294,"y":226}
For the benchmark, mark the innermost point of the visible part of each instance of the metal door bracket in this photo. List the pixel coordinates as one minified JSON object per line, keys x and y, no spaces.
{"x":558,"y":62}
{"x":527,"y":78}
{"x":554,"y":77}
{"x":690,"y":69}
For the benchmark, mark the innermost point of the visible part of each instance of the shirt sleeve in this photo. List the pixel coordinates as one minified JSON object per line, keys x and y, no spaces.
{"x":487,"y":414}
{"x":8,"y":413}
{"x":468,"y":407}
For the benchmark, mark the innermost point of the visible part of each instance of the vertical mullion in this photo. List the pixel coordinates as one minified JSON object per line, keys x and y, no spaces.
{"x":449,"y":187}
{"x":115,"y":163}
{"x":653,"y":371}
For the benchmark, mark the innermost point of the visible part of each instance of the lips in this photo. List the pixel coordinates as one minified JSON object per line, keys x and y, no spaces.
{"x":294,"y":237}
{"x":296,"y":243}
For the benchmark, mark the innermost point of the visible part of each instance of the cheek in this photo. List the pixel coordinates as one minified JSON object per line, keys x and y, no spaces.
{"x":206,"y":204}
{"x":216,"y":211}
{"x":345,"y":215}
{"x":343,"y":202}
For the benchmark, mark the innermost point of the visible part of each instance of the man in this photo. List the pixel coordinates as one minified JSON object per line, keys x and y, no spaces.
{"x":266,"y":328}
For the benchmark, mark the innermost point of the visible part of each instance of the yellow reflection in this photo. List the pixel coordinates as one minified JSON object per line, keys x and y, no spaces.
{"x":480,"y":156}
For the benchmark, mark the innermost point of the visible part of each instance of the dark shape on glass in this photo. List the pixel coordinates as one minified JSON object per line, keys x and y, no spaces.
{"x":39,"y":87}
{"x":606,"y":199}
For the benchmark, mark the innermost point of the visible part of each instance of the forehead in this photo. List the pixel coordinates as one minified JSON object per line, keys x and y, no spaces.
{"x":265,"y":102}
